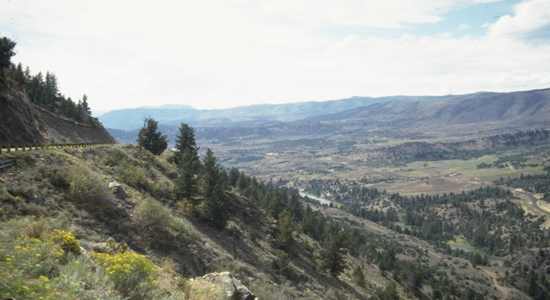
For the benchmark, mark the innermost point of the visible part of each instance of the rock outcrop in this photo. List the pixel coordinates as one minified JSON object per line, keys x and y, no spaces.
{"x":233,"y":288}
{"x":22,"y":123}
{"x":19,"y":120}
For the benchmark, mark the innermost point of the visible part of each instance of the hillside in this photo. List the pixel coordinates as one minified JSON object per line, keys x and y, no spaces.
{"x":118,"y":204}
{"x":112,"y":196}
{"x":24,"y":123}
{"x":480,"y":111}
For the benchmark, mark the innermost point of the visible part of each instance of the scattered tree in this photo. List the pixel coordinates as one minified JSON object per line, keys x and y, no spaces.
{"x":358,"y":276}
{"x":85,"y":107}
{"x":150,"y":139}
{"x":185,"y":141}
{"x":186,"y":184}
{"x":333,"y":254}
{"x":6,"y":53}
{"x":214,"y":208}
{"x":281,"y":264}
{"x":286,"y":227}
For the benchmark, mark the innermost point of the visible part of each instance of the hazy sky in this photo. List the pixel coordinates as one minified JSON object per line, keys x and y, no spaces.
{"x":226,"y":53}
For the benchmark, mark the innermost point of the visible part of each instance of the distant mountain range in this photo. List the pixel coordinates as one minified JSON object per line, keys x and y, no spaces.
{"x":521,"y":108}
{"x":128,"y":119}
{"x":398,"y":116}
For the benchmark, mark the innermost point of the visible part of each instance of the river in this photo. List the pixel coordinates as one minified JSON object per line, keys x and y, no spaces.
{"x":323,"y":201}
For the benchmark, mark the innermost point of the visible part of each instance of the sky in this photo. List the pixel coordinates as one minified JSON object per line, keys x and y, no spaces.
{"x":227,"y":53}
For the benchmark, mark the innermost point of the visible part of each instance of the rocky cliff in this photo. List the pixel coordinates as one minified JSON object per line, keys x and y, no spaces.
{"x":21,"y":122}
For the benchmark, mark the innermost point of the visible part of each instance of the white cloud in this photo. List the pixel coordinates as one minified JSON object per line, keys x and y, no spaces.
{"x":233,"y":52}
{"x":530,"y":22}
{"x":463,"y":26}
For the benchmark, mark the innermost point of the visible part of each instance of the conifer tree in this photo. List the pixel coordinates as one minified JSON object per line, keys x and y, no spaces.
{"x":186,"y":141}
{"x":233,"y":177}
{"x":85,"y":106}
{"x":333,"y":255}
{"x":50,"y":91}
{"x":358,"y":276}
{"x":19,"y":75}
{"x":6,"y":53}
{"x":214,"y":208}
{"x":150,"y":139}
{"x":285,"y":227}
{"x":186,"y":184}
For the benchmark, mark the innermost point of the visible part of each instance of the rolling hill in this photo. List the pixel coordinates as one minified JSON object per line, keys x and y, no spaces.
{"x":129,"y":119}
{"x":413,"y":117}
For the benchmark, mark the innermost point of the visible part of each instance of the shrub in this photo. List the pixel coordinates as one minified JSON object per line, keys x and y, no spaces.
{"x":36,"y":229}
{"x":152,"y":215}
{"x":67,"y":241}
{"x":133,"y":274}
{"x":86,"y":186}
{"x":203,"y":290}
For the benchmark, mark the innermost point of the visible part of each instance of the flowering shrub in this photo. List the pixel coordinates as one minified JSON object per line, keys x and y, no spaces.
{"x":67,"y":241}
{"x":24,"y":267}
{"x":132,"y":273}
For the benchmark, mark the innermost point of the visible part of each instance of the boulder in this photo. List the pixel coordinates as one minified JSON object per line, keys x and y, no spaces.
{"x":117,"y":189}
{"x":234,"y":289}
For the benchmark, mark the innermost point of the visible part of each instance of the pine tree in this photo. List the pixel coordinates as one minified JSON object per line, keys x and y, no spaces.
{"x":150,"y":139}
{"x":186,"y":141}
{"x":285,"y":227}
{"x":333,"y":255}
{"x":19,"y":75}
{"x":282,"y":263}
{"x":35,"y":89}
{"x":214,"y":208}
{"x":6,"y":53}
{"x":358,"y":277}
{"x":233,"y":177}
{"x":50,"y":91}
{"x":186,"y":184}
{"x":85,"y":107}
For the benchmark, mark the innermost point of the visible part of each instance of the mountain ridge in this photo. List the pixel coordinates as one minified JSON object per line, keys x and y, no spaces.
{"x":251,"y":114}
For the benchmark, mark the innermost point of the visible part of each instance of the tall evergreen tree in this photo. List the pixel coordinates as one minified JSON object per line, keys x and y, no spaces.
{"x":35,"y":89}
{"x":233,"y":177}
{"x":6,"y":53}
{"x":186,"y":184}
{"x":19,"y":75}
{"x":333,"y":255}
{"x":85,"y":107}
{"x":214,"y":207}
{"x":186,"y":141}
{"x":285,"y":227}
{"x":79,"y":112}
{"x":150,"y":139}
{"x":51,"y":91}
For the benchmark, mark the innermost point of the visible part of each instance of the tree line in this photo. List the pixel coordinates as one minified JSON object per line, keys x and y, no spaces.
{"x":42,"y":89}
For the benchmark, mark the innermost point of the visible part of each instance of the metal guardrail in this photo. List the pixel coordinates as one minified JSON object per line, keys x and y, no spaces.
{"x":7,"y":163}
{"x":28,"y":147}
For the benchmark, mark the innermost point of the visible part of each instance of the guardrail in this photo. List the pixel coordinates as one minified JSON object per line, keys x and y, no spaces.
{"x":30,"y":147}
{"x":7,"y":163}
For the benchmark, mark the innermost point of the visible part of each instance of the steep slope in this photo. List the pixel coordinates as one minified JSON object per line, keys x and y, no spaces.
{"x":19,"y":121}
{"x":23,"y":123}
{"x":113,"y":196}
{"x":117,"y":200}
